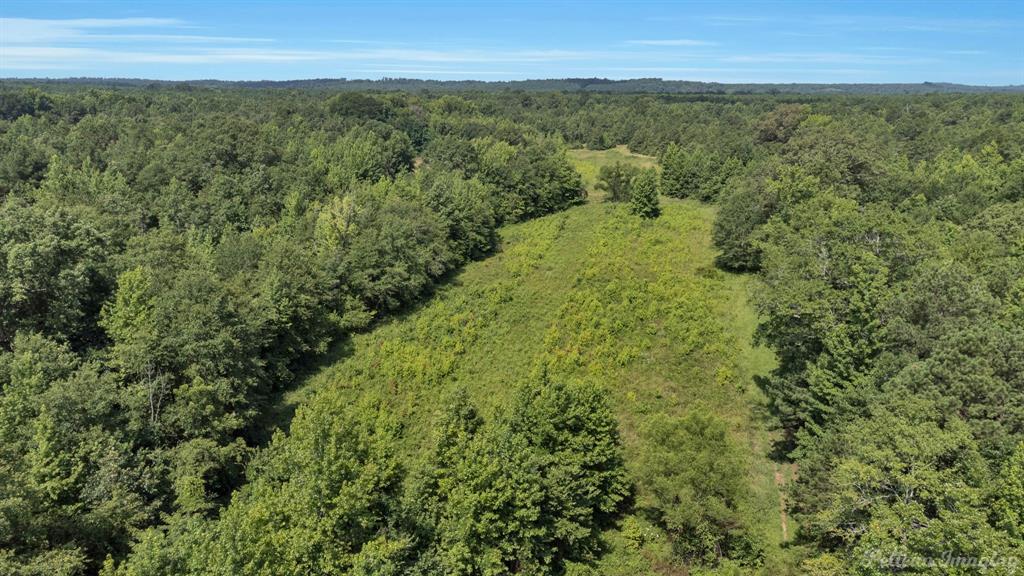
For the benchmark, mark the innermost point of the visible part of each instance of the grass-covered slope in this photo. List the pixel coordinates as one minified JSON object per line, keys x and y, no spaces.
{"x":591,"y":294}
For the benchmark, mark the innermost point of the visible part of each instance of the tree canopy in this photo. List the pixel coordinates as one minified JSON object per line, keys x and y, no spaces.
{"x":173,"y":258}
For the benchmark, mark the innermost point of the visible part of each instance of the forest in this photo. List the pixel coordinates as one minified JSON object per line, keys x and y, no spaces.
{"x":309,"y":331}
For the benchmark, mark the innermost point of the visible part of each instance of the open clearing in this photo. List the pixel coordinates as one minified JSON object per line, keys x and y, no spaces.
{"x":591,"y":293}
{"x":589,"y":162}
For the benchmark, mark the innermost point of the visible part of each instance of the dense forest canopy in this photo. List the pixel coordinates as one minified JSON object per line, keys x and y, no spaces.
{"x":172,"y":257}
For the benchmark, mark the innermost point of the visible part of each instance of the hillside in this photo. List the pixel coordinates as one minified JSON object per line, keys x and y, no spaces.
{"x":591,"y":294}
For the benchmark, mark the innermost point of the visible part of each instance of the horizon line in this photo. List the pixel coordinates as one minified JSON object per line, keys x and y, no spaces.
{"x":493,"y":81}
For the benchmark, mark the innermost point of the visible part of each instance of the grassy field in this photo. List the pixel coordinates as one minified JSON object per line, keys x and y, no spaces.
{"x":589,"y":162}
{"x":596,"y":294}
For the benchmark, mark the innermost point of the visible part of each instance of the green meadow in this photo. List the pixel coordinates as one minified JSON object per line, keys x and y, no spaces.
{"x":589,"y":162}
{"x":590,"y":294}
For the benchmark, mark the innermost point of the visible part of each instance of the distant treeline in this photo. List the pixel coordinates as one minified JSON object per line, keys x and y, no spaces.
{"x":630,"y":86}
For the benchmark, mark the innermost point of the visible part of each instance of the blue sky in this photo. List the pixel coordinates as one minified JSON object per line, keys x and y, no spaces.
{"x":967,"y":42}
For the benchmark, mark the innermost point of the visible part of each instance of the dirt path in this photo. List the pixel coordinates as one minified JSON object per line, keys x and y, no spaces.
{"x":780,"y":482}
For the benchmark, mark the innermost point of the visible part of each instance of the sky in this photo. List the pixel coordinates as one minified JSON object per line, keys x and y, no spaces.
{"x":979,"y":42}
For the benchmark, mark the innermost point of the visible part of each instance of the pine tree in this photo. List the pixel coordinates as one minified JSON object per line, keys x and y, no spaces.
{"x":644,"y":201}
{"x":671,"y":175}
{"x":1009,"y":505}
{"x":616,"y":181}
{"x":682,"y":172}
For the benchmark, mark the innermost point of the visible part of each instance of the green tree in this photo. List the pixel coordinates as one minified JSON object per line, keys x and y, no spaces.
{"x":691,"y":479}
{"x":73,"y":489}
{"x":616,"y":181}
{"x":780,"y":124}
{"x":320,"y":503}
{"x":695,"y":172}
{"x":53,"y":272}
{"x":681,"y":172}
{"x":644,"y":200}
{"x":367,"y":152}
{"x":900,"y":484}
{"x":467,"y":206}
{"x":1009,"y":497}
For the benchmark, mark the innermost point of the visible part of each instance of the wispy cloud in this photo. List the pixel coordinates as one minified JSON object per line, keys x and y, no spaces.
{"x":814,"y":25}
{"x":430,"y":72}
{"x":172,"y":47}
{"x":40,"y":31}
{"x":712,"y":69}
{"x":966,"y":52}
{"x":72,"y":57}
{"x":88,"y":43}
{"x":351,"y":41}
{"x":466,"y":56}
{"x":672,"y":42}
{"x":825,"y":58}
{"x":54,"y":57}
{"x":739,"y":20}
{"x":942,"y":24}
{"x":183,"y":38}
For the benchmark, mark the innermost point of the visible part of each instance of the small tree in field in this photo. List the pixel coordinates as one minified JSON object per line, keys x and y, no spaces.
{"x":644,"y":201}
{"x":616,"y":180}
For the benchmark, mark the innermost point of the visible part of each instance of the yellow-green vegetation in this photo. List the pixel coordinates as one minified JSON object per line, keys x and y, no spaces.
{"x":591,"y":294}
{"x":589,"y":162}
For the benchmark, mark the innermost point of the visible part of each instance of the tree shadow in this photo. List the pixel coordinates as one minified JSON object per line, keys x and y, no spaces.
{"x":275,"y":411}
{"x":770,"y":419}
